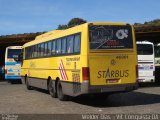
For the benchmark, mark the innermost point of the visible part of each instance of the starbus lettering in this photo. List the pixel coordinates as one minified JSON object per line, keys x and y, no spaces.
{"x":113,"y":73}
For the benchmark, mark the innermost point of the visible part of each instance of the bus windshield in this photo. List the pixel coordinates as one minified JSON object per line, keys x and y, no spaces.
{"x":144,"y":49}
{"x":13,"y":53}
{"x":110,"y":37}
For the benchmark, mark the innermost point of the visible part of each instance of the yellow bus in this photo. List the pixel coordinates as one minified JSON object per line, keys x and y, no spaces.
{"x":92,"y":58}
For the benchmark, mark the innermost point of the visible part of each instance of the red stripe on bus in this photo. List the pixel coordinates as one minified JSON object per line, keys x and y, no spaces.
{"x":63,"y":72}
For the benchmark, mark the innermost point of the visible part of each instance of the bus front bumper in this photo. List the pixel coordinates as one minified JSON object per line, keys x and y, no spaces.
{"x":7,"y":77}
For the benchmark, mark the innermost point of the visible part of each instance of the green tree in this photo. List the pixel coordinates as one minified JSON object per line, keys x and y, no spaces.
{"x":76,"y":21}
{"x":73,"y":22}
{"x":62,"y":27}
{"x":152,"y":22}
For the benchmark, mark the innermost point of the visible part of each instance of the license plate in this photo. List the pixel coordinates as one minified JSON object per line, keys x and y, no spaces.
{"x":10,"y":74}
{"x":146,"y":67}
{"x":112,"y":80}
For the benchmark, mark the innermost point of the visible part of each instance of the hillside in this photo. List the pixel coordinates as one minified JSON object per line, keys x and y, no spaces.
{"x":155,"y":22}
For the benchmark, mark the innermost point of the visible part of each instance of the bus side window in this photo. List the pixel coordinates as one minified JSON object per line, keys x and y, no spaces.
{"x":30,"y":52}
{"x":53,"y":50}
{"x":39,"y":50}
{"x":26,"y":53}
{"x":58,"y":46}
{"x":33,"y":51}
{"x":77,"y":44}
{"x":42,"y":49}
{"x":36,"y":51}
{"x":45,"y":49}
{"x":49,"y":48}
{"x":63,"y":45}
{"x":70,"y":44}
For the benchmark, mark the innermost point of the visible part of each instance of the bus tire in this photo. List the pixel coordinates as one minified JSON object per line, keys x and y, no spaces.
{"x":61,"y":96}
{"x":51,"y":89}
{"x":12,"y":82}
{"x":27,"y":84}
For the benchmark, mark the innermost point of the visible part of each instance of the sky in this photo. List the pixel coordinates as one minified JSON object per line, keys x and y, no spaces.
{"x":30,"y":16}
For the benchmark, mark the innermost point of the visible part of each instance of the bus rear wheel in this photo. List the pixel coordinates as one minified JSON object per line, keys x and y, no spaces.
{"x":60,"y":94}
{"x":52,"y":89}
{"x":27,"y":84}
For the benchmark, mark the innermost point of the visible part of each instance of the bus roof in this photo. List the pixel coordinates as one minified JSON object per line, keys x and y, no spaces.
{"x":144,"y":42}
{"x":47,"y":34}
{"x":54,"y":34}
{"x":14,"y":47}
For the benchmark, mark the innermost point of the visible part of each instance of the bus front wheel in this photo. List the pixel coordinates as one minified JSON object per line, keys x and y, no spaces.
{"x":60,"y":94}
{"x":27,"y":84}
{"x":51,"y":89}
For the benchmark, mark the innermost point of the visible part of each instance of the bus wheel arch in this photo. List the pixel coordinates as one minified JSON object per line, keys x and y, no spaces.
{"x":61,"y":96}
{"x":27,"y":83}
{"x":51,"y":87}
{"x":49,"y":78}
{"x":25,"y":78}
{"x":56,"y":81}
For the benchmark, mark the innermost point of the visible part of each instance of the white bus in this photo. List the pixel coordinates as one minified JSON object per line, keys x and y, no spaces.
{"x":157,"y":63}
{"x":146,"y":62}
{"x":157,"y":55}
{"x":12,"y":64}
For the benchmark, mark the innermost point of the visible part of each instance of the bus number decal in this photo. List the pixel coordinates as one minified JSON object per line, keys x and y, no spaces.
{"x":113,"y":73}
{"x":122,"y":57}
